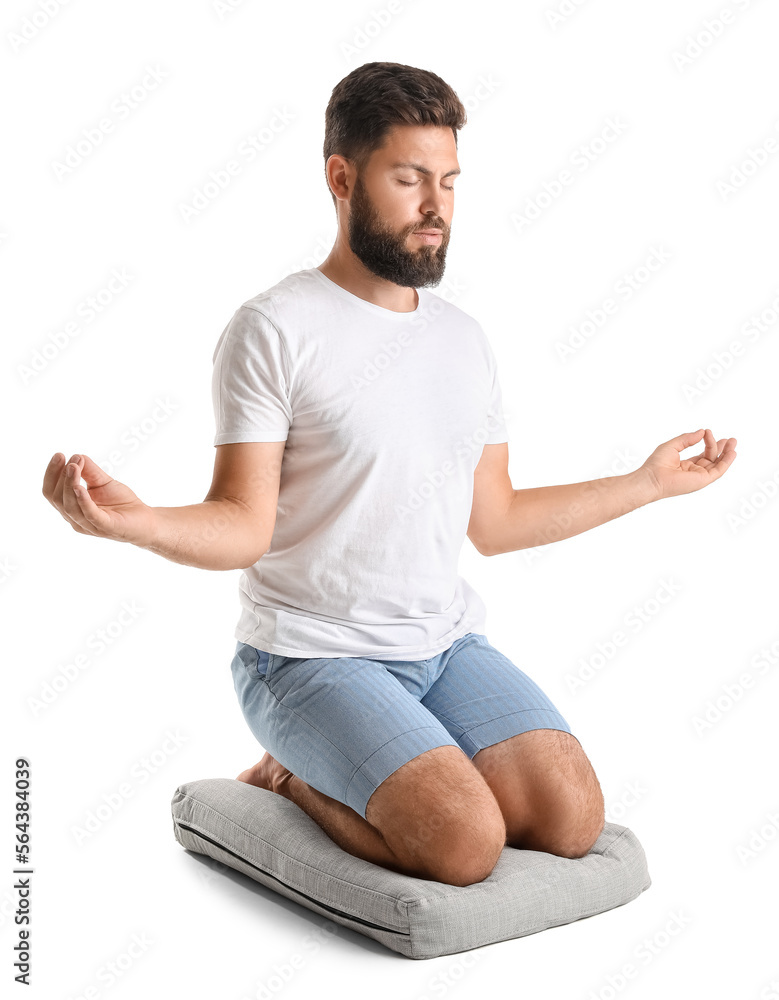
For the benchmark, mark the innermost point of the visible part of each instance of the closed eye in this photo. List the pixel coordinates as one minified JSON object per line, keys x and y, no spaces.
{"x":412,"y":183}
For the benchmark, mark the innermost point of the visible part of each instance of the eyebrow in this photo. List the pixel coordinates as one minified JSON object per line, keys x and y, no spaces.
{"x":423,"y":170}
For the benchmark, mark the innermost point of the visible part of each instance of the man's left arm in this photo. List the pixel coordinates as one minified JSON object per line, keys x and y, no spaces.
{"x":504,"y":519}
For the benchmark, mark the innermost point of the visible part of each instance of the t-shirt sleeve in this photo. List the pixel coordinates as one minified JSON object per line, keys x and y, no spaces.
{"x":250,"y":381}
{"x":496,"y":423}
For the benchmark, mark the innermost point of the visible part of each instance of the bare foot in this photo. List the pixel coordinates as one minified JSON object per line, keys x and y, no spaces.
{"x":269,"y":774}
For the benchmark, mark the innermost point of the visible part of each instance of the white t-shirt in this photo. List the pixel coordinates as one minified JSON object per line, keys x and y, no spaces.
{"x":385,"y":415}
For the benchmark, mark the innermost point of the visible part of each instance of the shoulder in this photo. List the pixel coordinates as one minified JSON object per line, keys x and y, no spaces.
{"x":291,"y":299}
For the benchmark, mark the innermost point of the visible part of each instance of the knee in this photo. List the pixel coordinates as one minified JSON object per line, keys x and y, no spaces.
{"x":578,"y":843}
{"x":455,"y":846}
{"x":577,"y":828}
{"x":469,"y":858}
{"x":472,"y":843}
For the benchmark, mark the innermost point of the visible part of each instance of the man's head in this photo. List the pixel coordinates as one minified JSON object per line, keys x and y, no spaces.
{"x":390,"y":163}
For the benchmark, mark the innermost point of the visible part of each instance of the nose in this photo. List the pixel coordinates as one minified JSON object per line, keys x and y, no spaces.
{"x":433,"y":205}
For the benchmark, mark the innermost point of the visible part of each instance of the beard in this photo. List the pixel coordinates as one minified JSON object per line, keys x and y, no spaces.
{"x":383,"y":251}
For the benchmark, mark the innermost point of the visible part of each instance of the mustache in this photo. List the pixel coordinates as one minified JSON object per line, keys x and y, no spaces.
{"x":432,"y":225}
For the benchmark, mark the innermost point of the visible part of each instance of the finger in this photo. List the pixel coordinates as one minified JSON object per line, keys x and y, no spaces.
{"x":61,"y":476}
{"x":69,"y":477}
{"x":54,"y":481}
{"x":96,"y":518}
{"x":56,"y":475}
{"x":71,"y":505}
{"x":92,"y":473}
{"x":51,"y":477}
{"x":686,"y":440}
{"x":710,"y":451}
{"x":726,"y":459}
{"x":722,"y":445}
{"x":725,"y":444}
{"x":86,"y":510}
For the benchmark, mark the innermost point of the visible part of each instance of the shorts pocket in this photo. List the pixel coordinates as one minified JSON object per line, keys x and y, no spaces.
{"x":274,"y":662}
{"x":267,"y":663}
{"x":256,"y":662}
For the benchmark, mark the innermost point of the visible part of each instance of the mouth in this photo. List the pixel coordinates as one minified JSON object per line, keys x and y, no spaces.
{"x":432,"y":236}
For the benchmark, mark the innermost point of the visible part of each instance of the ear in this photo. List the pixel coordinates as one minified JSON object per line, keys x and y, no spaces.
{"x":340,"y":176}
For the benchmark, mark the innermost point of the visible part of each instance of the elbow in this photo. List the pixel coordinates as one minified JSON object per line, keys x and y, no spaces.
{"x":256,"y":558}
{"x":251,"y":562}
{"x":482,"y":547}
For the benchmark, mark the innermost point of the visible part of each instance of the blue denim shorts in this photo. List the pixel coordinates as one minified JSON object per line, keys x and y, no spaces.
{"x":344,"y":724}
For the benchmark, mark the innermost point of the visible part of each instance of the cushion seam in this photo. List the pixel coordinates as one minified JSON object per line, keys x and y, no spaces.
{"x":359,"y":888}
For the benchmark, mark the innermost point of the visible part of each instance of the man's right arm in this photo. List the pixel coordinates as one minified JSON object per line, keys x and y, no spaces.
{"x":215,"y":534}
{"x":231,"y":529}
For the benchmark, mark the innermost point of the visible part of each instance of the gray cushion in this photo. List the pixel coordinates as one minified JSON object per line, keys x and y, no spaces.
{"x":273,"y":841}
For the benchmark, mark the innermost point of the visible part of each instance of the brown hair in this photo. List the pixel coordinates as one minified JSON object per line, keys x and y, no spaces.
{"x":376,"y":96}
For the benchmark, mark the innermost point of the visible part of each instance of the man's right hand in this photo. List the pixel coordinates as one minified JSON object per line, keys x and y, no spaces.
{"x":106,"y":508}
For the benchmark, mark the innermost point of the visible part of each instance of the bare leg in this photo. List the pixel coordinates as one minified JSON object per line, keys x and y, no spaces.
{"x":342,"y":824}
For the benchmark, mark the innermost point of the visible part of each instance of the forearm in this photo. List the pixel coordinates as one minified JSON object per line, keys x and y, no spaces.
{"x":215,"y":534}
{"x":550,"y":513}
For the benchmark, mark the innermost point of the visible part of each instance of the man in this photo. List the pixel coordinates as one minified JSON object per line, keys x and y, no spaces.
{"x":360,"y":436}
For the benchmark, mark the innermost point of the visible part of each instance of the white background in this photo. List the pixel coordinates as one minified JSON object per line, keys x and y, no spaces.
{"x":703,"y":801}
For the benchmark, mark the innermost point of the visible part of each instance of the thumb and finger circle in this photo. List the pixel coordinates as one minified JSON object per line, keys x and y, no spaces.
{"x":66,"y":501}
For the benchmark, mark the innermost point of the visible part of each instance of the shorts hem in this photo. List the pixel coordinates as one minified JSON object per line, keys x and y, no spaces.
{"x":486,"y":734}
{"x":387,"y":759}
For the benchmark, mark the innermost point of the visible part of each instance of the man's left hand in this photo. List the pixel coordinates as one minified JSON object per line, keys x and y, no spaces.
{"x":673,"y":475}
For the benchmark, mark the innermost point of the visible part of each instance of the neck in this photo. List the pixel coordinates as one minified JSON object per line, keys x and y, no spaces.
{"x":348,"y":271}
